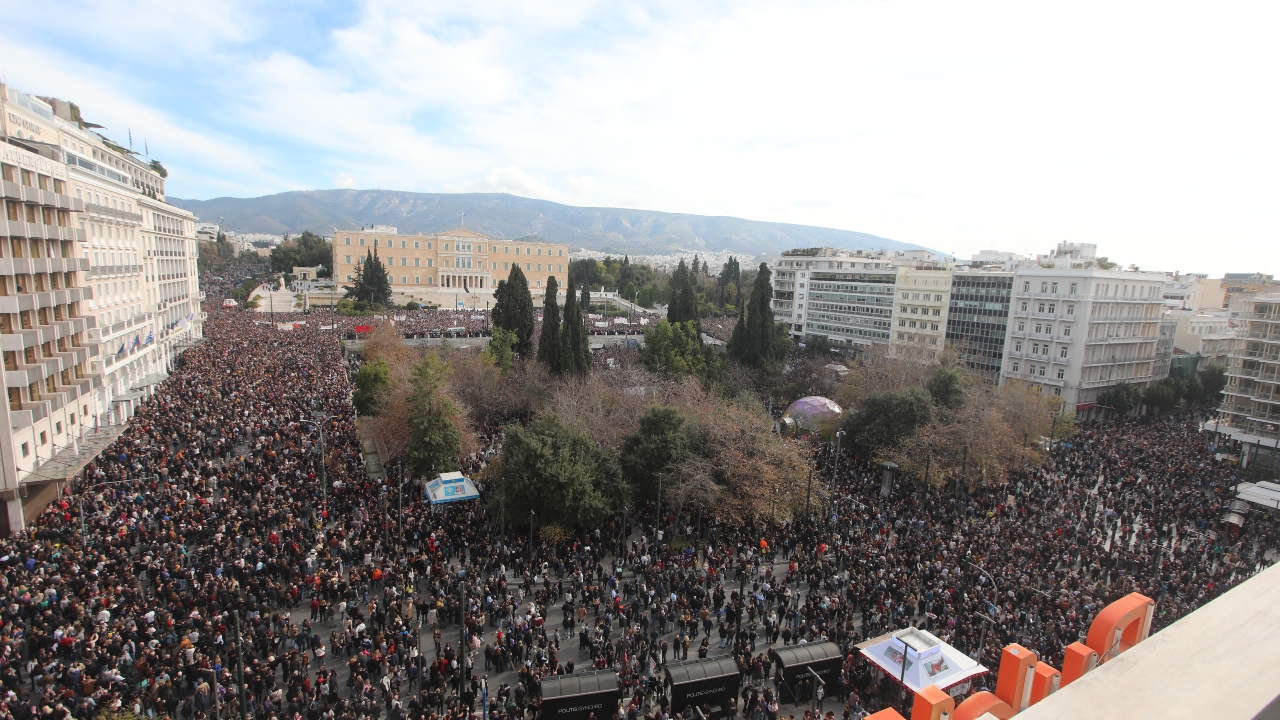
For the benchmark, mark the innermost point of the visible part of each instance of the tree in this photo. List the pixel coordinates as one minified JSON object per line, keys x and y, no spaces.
{"x":1123,"y":398}
{"x":575,"y":349}
{"x":886,"y":418}
{"x":629,"y":292}
{"x":559,"y":473}
{"x":584,"y":304}
{"x":729,"y":279}
{"x":549,"y":339}
{"x":371,"y":381}
{"x":1213,"y":380}
{"x":160,"y":169}
{"x":946,"y":387}
{"x":644,"y":298}
{"x":371,"y":283}
{"x":501,"y":349}
{"x":758,"y":341}
{"x":434,"y":436}
{"x":513,"y":309}
{"x":674,"y":349}
{"x":662,"y":441}
{"x":684,"y":302}
{"x":1160,"y":397}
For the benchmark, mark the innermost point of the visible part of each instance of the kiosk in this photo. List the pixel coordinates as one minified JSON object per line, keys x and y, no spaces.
{"x":713,"y":682}
{"x":803,"y":667}
{"x":576,"y":697}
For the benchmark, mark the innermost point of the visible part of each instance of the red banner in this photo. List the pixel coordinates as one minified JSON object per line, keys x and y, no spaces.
{"x":364,"y":328}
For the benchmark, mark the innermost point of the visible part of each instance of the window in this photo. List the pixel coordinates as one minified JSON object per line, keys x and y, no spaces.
{"x":1035,"y":348}
{"x":1048,"y":329}
{"x":528,"y":266}
{"x":348,"y":241}
{"x":446,"y":246}
{"x":906,"y":296}
{"x":431,"y":262}
{"x":1014,"y":367}
{"x":1026,"y":287}
{"x":26,"y":450}
{"x":1074,"y":286}
{"x":1044,"y":287}
{"x":1039,"y":327}
{"x":933,"y":326}
{"x":1022,"y":327}
{"x":937,"y":311}
{"x":1062,"y":353}
{"x":506,"y":266}
{"x":429,"y":246}
{"x":1071,"y":309}
{"x":1052,"y":308}
{"x":1024,"y":307}
{"x":1041,"y":371}
{"x":902,"y":323}
{"x":376,"y":241}
{"x":417,"y":262}
{"x":404,"y":280}
{"x":415,"y":245}
{"x":417,"y":280}
{"x":1057,"y":391}
{"x":362,"y":242}
{"x":403,"y":243}
{"x":1017,"y":347}
{"x":1054,"y":288}
{"x":1041,"y":308}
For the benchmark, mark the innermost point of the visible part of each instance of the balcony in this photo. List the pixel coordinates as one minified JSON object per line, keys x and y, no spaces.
{"x":112,"y":213}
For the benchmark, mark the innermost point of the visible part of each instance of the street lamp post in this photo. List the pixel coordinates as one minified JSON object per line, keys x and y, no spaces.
{"x":531,"y":514}
{"x":831,"y":492}
{"x":659,"y":518}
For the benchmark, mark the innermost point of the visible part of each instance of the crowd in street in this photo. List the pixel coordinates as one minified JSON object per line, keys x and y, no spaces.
{"x":229,"y":553}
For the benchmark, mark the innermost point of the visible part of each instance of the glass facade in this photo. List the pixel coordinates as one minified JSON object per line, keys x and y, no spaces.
{"x":853,"y":307}
{"x":978,"y":318}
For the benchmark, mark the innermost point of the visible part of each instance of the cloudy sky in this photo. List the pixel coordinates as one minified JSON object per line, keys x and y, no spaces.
{"x":1147,"y":128}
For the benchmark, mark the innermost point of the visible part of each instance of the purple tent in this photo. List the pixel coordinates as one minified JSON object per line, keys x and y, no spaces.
{"x":813,"y":412}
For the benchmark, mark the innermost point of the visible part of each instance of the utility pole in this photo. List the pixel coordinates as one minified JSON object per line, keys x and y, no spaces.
{"x":835,"y":471}
{"x":659,"y":519}
{"x":400,"y":499}
{"x":964,"y":467}
{"x":531,"y":514}
{"x":808,"y":494}
{"x":462,"y":628}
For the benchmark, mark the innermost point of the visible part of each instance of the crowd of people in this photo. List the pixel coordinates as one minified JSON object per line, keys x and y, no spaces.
{"x":230,"y":554}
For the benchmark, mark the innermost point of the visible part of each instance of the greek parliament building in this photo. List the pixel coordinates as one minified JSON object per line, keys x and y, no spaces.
{"x":98,"y":294}
{"x":438,"y":267}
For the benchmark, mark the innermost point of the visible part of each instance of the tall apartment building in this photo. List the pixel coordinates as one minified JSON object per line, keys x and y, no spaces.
{"x":137,"y":287}
{"x":920,"y":312}
{"x":855,"y":299}
{"x":1076,"y":329}
{"x":458,"y":260}
{"x":978,"y":318}
{"x":1250,"y":411}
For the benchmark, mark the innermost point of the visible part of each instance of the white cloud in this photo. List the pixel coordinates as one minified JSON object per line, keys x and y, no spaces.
{"x":1144,"y":127}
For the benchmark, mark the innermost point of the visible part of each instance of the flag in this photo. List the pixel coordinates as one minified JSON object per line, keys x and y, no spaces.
{"x":151,"y":337}
{"x":121,"y":352}
{"x":136,"y":342}
{"x":130,"y":139}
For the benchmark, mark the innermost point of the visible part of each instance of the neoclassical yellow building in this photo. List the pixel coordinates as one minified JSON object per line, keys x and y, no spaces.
{"x":461,"y":259}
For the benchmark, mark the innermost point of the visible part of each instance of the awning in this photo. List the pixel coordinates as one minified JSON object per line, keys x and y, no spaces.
{"x":1262,"y":494}
{"x":928,"y":660}
{"x":451,"y":487}
{"x":1234,"y":519}
{"x":151,"y":380}
{"x":67,"y":462}
{"x":128,"y":397}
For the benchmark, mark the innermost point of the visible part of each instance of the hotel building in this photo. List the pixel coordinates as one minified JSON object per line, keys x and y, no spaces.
{"x":125,"y":294}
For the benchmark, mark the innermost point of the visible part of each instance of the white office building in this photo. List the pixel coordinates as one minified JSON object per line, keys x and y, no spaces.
{"x":1076,"y":329}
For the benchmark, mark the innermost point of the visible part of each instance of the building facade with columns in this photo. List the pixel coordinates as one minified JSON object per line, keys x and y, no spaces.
{"x":453,"y":261}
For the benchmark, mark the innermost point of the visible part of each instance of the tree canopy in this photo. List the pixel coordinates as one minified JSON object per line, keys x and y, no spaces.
{"x":673,"y":349}
{"x":575,"y":350}
{"x":434,"y":436}
{"x":306,"y":250}
{"x":560,"y":474}
{"x":371,"y":283}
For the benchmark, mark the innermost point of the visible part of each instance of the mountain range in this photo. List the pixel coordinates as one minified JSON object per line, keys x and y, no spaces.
{"x":509,"y":216}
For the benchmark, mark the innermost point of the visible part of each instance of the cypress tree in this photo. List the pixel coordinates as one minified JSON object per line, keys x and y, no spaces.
{"x":513,"y":310}
{"x":575,"y":352}
{"x":754,"y":340}
{"x":585,"y":303}
{"x":549,"y":341}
